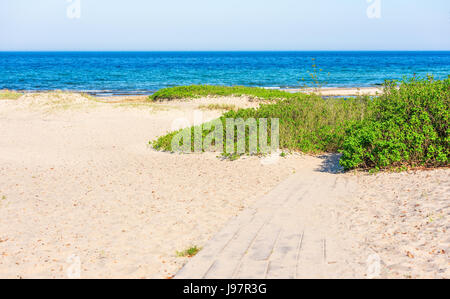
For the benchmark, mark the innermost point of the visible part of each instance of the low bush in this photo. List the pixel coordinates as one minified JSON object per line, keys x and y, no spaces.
{"x":408,"y":126}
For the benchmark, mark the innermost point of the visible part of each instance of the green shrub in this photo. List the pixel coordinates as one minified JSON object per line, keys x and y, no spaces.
{"x":406,"y":126}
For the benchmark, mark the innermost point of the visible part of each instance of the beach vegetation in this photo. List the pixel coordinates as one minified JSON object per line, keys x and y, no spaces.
{"x":190,"y":252}
{"x":226,"y":107}
{"x":316,"y":80}
{"x":307,"y":123}
{"x":6,"y":94}
{"x":407,"y":126}
{"x":199,"y":91}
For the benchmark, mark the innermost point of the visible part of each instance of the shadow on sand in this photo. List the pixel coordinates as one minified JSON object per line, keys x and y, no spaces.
{"x":330,"y":164}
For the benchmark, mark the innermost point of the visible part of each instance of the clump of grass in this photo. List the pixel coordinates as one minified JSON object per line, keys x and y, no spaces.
{"x":190,"y":252}
{"x":198,"y":91}
{"x":58,"y":100}
{"x":88,"y":96}
{"x":316,"y":81}
{"x":141,"y":105}
{"x":226,"y":107}
{"x":9,"y":95}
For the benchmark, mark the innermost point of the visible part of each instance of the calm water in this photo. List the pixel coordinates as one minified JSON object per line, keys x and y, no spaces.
{"x":145,"y":72}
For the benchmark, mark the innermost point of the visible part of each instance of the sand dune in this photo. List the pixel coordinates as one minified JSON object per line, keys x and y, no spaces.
{"x":78,"y":178}
{"x":78,"y":183}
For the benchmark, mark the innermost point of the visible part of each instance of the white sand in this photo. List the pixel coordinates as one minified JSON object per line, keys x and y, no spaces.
{"x":400,"y":219}
{"x":78,"y":178}
{"x":405,"y":219}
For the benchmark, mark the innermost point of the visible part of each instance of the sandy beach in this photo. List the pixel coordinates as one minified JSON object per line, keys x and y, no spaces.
{"x":404,"y":219}
{"x":326,"y":91}
{"x":78,"y":181}
{"x":78,"y":178}
{"x":192,"y":142}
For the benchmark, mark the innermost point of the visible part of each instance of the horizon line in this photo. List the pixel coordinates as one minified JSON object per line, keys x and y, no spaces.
{"x":224,"y":51}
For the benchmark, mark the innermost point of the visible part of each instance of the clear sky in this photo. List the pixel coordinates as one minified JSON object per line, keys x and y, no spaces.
{"x":224,"y":25}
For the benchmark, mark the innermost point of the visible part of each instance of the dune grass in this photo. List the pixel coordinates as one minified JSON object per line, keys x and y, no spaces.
{"x":9,"y":95}
{"x":227,"y":107}
{"x":198,"y":91}
{"x":407,"y":126}
{"x":308,"y":123}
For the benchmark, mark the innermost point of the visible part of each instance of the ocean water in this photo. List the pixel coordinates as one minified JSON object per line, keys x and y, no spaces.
{"x":145,"y":72}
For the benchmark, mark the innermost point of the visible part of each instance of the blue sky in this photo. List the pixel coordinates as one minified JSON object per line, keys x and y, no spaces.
{"x":224,"y":25}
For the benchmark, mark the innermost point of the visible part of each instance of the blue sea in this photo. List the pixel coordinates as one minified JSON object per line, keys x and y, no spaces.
{"x":106,"y":73}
